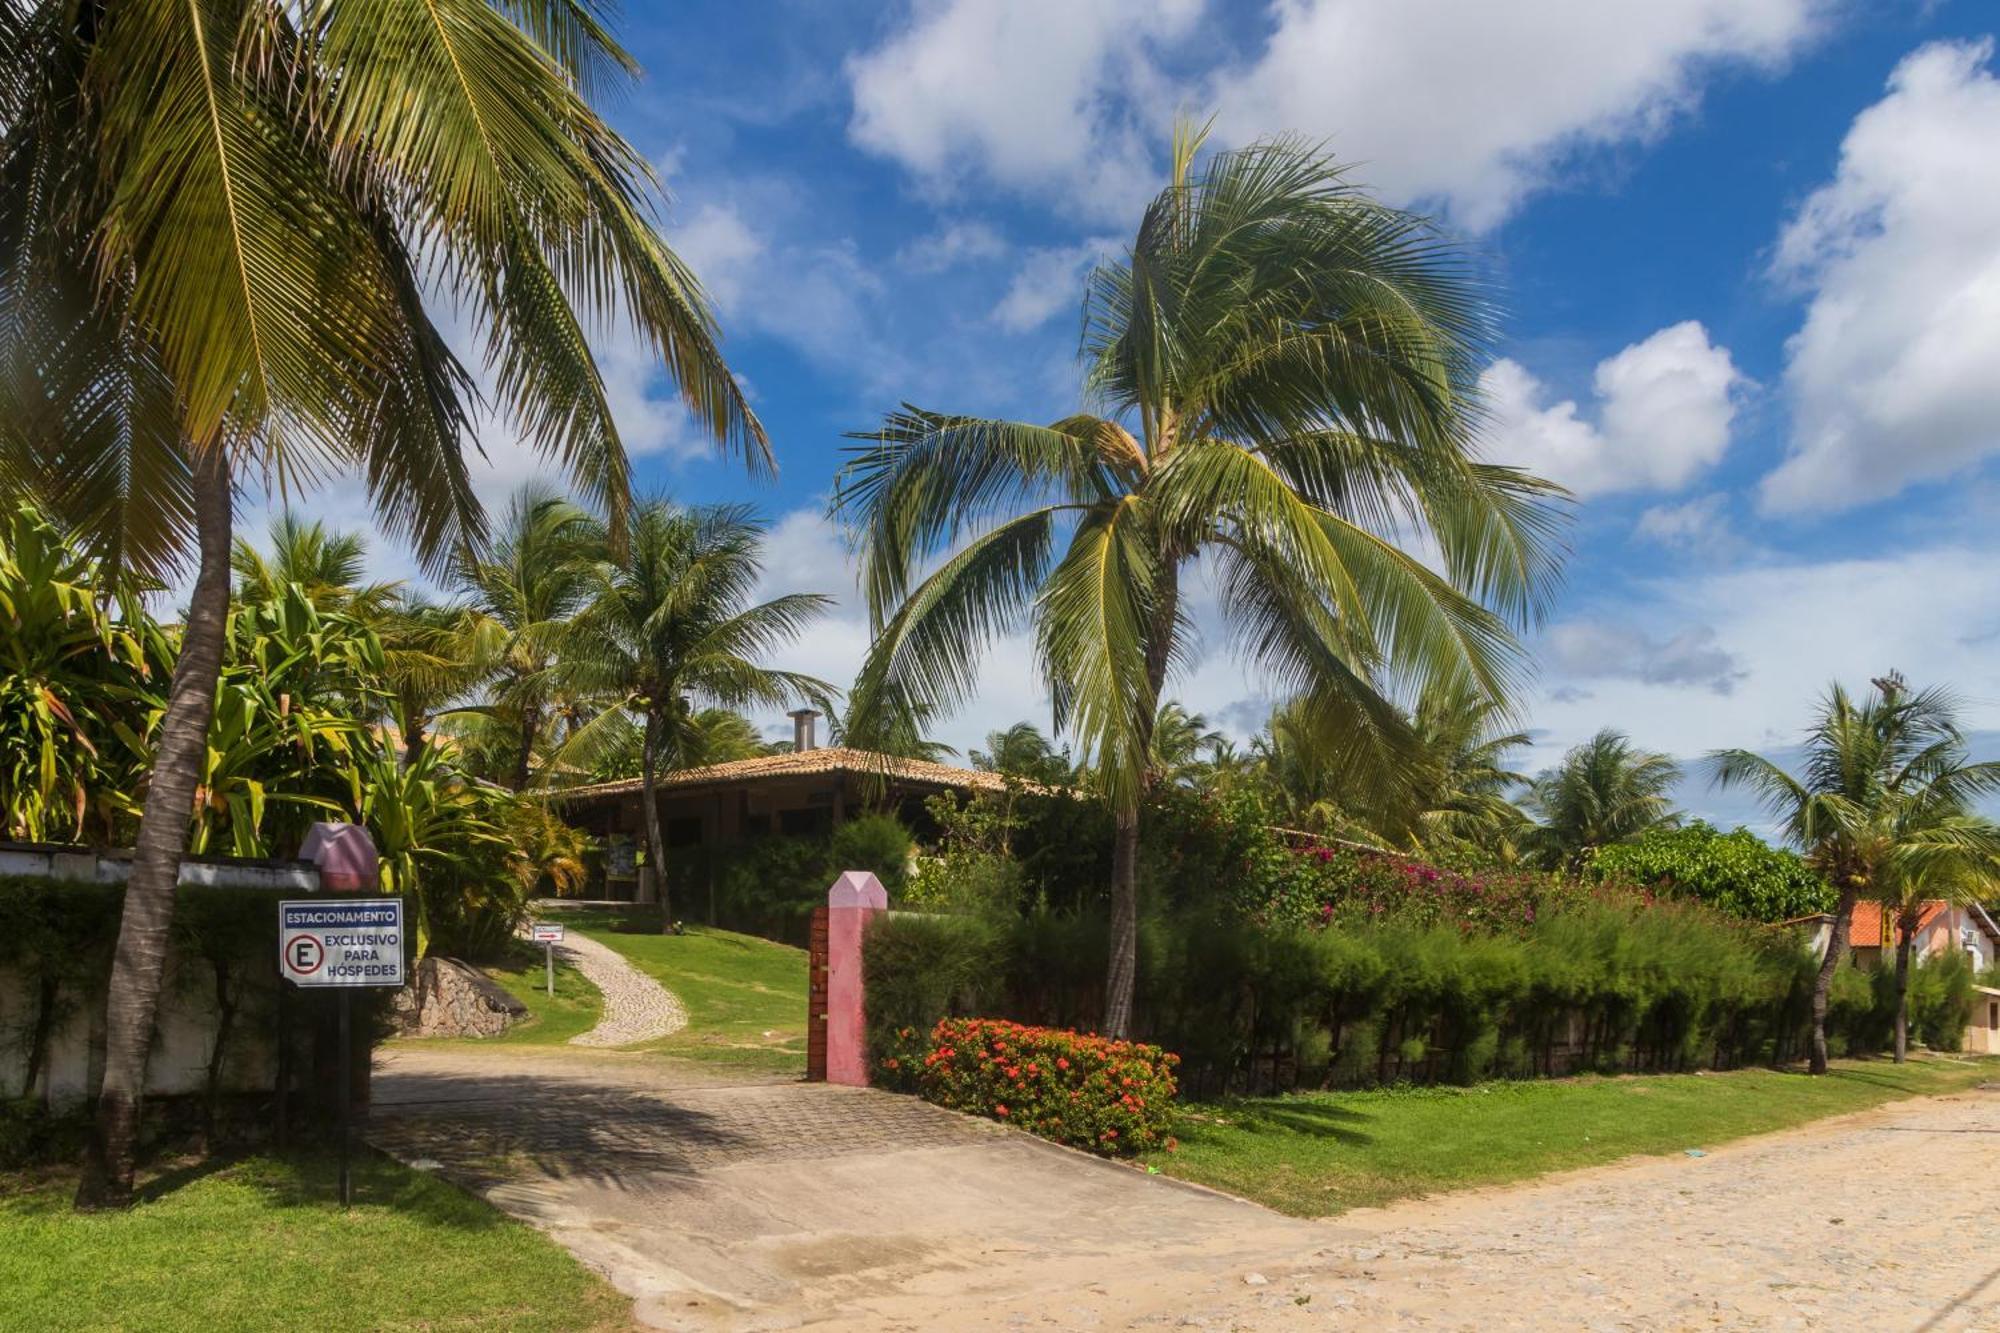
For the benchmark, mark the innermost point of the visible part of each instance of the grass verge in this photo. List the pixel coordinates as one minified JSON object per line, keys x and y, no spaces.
{"x":1314,"y":1154}
{"x":745,"y":997}
{"x":260,"y":1244}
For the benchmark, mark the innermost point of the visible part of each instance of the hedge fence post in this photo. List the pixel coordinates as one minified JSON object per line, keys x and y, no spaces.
{"x":855,"y":898}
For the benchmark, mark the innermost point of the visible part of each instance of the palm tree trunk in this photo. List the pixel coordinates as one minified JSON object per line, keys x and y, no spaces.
{"x":656,"y":846}
{"x":1122,"y":972}
{"x":1905,"y":928}
{"x":133,"y":996}
{"x":531,"y":727}
{"x":1836,"y":945}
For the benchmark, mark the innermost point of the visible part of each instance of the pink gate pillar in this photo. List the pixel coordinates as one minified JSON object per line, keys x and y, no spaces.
{"x":851,"y":903}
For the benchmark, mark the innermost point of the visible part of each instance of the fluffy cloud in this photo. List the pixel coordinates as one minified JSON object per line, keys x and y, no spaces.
{"x":1699,"y":525}
{"x":1891,"y":376}
{"x":1466,"y":102}
{"x":1789,"y":627}
{"x":1664,"y":409}
{"x":952,"y":245}
{"x":1048,"y":282}
{"x":1477,"y":104}
{"x":1599,"y":650}
{"x":1032,"y":94}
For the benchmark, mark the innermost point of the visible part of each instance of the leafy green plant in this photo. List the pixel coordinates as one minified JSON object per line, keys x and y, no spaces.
{"x":877,"y":843}
{"x":1736,"y":871}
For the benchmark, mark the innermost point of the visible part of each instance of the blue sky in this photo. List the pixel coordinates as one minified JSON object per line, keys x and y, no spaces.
{"x":1750,"y":251}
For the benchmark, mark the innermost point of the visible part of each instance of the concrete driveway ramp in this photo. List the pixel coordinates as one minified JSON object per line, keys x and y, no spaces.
{"x":766,"y":1205}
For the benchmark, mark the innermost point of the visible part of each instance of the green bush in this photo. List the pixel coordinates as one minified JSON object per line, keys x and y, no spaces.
{"x":876,"y":843}
{"x":1737,"y":872}
{"x":1109,"y":1097}
{"x":917,"y":970}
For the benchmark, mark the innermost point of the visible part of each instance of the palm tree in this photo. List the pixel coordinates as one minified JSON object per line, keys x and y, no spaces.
{"x":327,"y":566}
{"x":1604,"y":791}
{"x":522,"y":593}
{"x":1022,"y":751}
{"x":256,"y":199}
{"x":1880,"y":808}
{"x":1280,"y":375}
{"x":669,"y":626}
{"x":1180,"y":739}
{"x":1462,"y":780}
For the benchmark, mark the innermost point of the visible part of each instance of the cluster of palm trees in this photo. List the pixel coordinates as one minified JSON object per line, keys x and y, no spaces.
{"x":560,"y":655}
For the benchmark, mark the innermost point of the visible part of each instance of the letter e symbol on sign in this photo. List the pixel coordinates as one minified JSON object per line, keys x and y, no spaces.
{"x":306,"y":954}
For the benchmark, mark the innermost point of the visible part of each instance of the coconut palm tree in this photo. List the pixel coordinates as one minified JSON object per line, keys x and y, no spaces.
{"x":1280,"y":376}
{"x":1604,"y":791}
{"x":1180,"y":740}
{"x":521,"y":593}
{"x":1022,"y":751}
{"x":669,"y":626}
{"x":1880,"y":807}
{"x":220,"y":221}
{"x":327,"y":566}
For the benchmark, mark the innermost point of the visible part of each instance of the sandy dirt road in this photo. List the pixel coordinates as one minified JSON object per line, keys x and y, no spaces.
{"x":722,"y":1203}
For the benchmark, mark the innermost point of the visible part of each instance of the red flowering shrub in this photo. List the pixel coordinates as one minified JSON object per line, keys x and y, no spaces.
{"x":1111,"y":1097}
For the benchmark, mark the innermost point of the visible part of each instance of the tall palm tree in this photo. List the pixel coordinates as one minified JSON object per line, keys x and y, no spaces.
{"x":1604,"y":791}
{"x":670,"y":626}
{"x":1880,"y":807}
{"x":522,"y":593}
{"x":219,"y":224}
{"x":1280,"y":373}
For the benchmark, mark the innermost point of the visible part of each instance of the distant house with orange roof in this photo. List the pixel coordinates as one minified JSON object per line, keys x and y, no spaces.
{"x":1972,"y":928}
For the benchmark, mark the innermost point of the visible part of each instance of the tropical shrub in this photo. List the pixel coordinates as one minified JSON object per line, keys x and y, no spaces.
{"x":1108,"y":1097}
{"x":1736,"y":871}
{"x":877,"y":843}
{"x":916,"y":970}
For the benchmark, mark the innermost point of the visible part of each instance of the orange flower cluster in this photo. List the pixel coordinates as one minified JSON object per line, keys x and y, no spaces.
{"x":1111,"y":1097}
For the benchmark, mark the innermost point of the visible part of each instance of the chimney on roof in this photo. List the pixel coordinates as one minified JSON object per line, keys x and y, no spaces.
{"x":805,"y":727}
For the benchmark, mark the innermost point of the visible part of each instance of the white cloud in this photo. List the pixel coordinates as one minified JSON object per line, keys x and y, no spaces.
{"x":1478,"y":104}
{"x":1467,"y":102}
{"x":1593,"y":650}
{"x":1032,"y":94}
{"x":1891,"y":377}
{"x":1049,"y":281}
{"x":952,"y":245}
{"x":1664,"y":410}
{"x":1789,"y":628}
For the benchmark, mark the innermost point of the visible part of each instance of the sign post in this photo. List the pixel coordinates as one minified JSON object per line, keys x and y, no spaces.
{"x":548,"y":934}
{"x":344,"y":943}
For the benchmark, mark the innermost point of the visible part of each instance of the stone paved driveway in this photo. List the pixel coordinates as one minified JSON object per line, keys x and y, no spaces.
{"x":723,"y":1203}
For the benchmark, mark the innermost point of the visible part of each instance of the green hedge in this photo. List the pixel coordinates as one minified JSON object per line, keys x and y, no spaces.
{"x":769,"y":886}
{"x":57,"y":938}
{"x":1611,"y":983}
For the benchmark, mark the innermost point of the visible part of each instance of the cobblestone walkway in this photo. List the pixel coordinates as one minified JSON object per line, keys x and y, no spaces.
{"x":636,"y":1007}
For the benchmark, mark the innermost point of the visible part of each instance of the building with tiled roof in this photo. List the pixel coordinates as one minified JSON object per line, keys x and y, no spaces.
{"x":806,"y":791}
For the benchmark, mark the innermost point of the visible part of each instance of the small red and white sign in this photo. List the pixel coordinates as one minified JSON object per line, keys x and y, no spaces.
{"x":546,"y":932}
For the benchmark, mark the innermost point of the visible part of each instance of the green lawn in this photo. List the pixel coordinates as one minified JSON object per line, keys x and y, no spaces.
{"x":1311,"y":1154}
{"x":574,"y":1009}
{"x":259,"y":1244}
{"x":746,"y":997}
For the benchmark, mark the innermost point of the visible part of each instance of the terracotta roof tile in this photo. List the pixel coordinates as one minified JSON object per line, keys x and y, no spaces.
{"x":827,"y":759}
{"x":1872,"y":928}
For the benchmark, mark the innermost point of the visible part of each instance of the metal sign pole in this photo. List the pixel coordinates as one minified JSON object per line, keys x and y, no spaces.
{"x":549,"y":958}
{"x":346,"y":1098}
